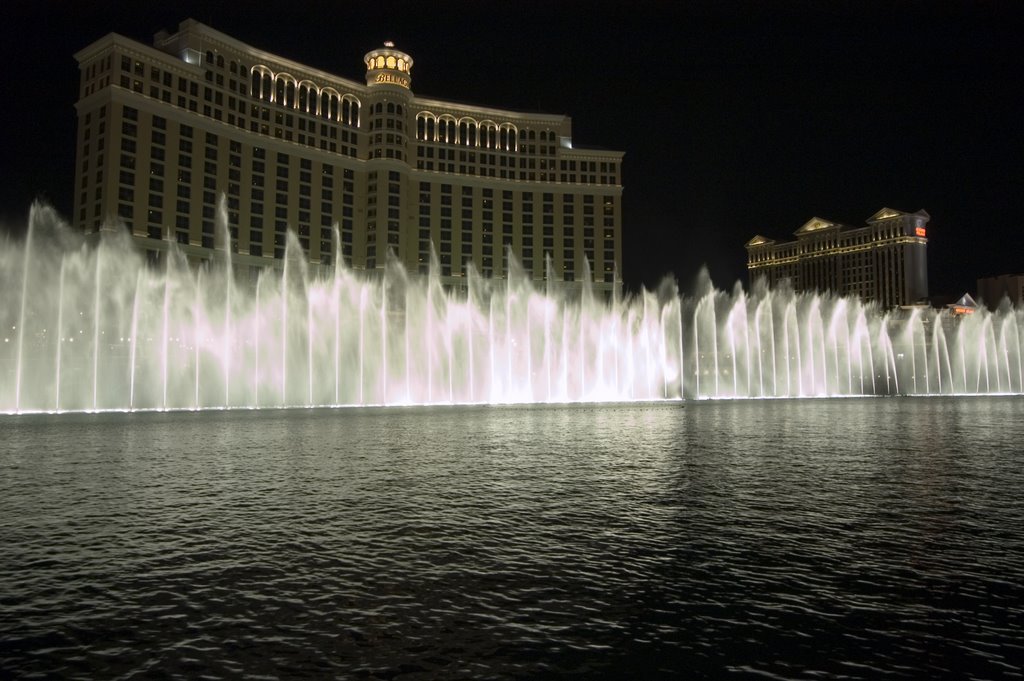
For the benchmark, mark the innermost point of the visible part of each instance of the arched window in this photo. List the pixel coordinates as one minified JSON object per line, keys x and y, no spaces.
{"x":488,"y":135}
{"x":308,"y":97}
{"x":262,"y":83}
{"x":350,"y":111}
{"x":425,"y":126}
{"x":467,"y":132}
{"x":330,"y":104}
{"x":285,"y":88}
{"x":446,"y":129}
{"x":509,"y":136}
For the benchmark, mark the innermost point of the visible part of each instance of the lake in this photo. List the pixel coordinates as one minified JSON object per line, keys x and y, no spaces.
{"x":855,"y":538}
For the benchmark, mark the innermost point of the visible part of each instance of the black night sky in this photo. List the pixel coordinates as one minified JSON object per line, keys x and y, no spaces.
{"x":737,"y":118}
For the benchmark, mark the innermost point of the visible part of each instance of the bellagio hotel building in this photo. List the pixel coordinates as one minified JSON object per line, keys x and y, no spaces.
{"x":165,"y":131}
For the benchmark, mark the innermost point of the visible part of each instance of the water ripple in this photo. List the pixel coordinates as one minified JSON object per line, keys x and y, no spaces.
{"x":853,"y":539}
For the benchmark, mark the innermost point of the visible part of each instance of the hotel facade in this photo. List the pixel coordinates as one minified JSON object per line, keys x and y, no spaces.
{"x":885,"y":261}
{"x":992,"y":290}
{"x":356,"y":168}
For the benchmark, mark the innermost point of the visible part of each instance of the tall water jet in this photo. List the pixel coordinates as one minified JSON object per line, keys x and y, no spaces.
{"x":258,"y":332}
{"x":133,"y":340}
{"x":679,"y":322}
{"x":60,"y":335}
{"x":338,"y":259}
{"x":165,"y":334}
{"x":309,"y":349}
{"x":96,"y":333}
{"x":792,"y":348}
{"x":21,"y":315}
{"x":225,"y":244}
{"x":197,"y":338}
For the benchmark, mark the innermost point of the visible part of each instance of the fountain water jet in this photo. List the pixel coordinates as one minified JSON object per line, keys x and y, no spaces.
{"x":177,"y":336}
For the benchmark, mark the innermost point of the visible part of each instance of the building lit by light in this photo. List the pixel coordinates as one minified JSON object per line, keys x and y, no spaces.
{"x":165,"y":130}
{"x":885,"y":261}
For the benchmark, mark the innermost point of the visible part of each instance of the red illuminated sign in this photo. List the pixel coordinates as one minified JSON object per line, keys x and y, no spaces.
{"x":920,"y":231}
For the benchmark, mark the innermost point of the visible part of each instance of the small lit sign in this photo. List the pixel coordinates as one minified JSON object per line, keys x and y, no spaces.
{"x":392,"y":78}
{"x":963,"y":310}
{"x":921,"y":231}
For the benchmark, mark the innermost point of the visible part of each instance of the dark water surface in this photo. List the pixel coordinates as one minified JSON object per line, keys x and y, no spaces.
{"x":858,"y":538}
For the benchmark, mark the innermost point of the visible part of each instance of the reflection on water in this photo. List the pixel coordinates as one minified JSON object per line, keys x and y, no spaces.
{"x":857,"y":538}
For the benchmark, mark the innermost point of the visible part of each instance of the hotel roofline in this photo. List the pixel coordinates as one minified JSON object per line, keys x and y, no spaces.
{"x":296,"y":69}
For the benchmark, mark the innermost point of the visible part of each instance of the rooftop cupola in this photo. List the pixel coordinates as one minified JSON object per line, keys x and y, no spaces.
{"x":388,"y":66}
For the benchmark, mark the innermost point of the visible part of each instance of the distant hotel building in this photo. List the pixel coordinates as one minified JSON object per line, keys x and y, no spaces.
{"x":992,"y":290}
{"x":886,"y":261}
{"x":163,"y":131}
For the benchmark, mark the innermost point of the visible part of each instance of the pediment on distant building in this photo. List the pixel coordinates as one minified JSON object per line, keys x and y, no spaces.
{"x":760,"y":241}
{"x":815,"y":225}
{"x":889,"y":213}
{"x":885,"y":214}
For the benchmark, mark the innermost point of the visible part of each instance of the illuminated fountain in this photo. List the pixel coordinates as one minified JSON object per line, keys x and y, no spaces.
{"x":92,"y":327}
